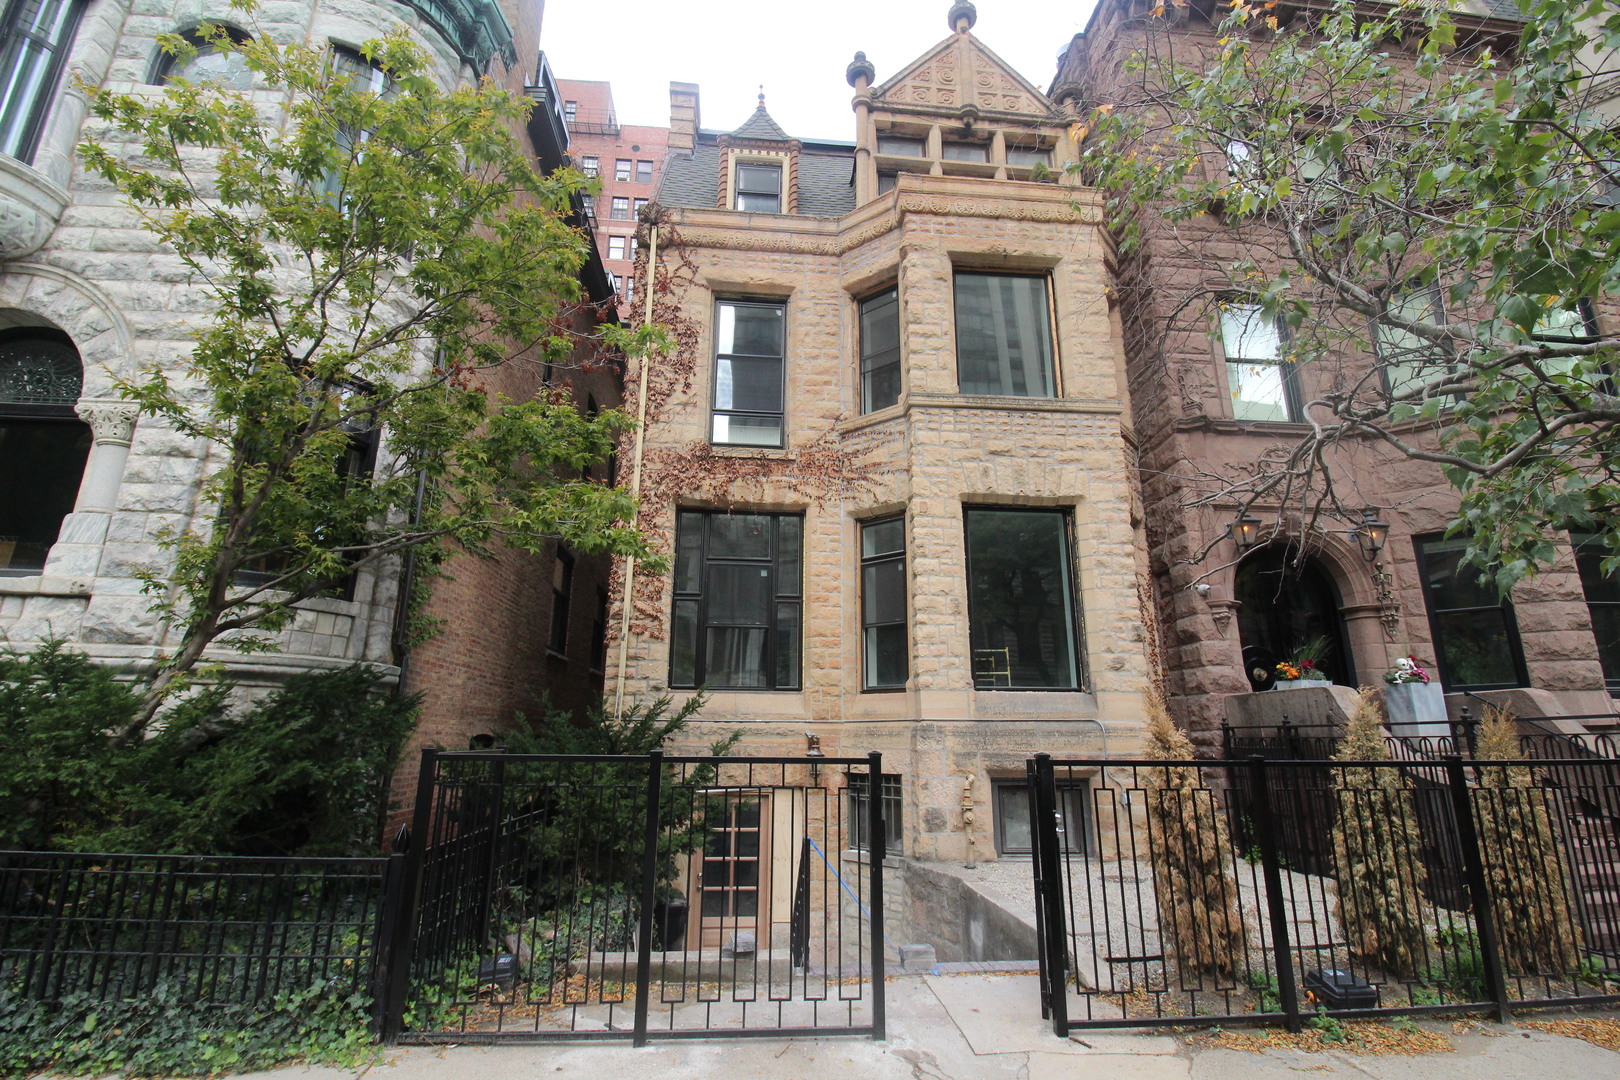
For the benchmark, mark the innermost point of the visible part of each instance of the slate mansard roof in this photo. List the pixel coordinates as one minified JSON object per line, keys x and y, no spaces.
{"x":825,"y":174}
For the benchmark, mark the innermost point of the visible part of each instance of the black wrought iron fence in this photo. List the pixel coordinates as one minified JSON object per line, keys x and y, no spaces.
{"x":1219,"y":892}
{"x":209,"y":929}
{"x":616,"y":897}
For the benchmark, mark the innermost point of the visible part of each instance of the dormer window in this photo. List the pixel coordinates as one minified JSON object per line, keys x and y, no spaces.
{"x":759,"y":188}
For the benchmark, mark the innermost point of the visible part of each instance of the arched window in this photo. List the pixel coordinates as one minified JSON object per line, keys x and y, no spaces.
{"x":208,"y":65}
{"x":43,"y":443}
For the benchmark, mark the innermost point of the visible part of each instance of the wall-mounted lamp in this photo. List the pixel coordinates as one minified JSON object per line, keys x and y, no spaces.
{"x":1245,"y":532}
{"x":814,"y":752}
{"x":1370,"y":534}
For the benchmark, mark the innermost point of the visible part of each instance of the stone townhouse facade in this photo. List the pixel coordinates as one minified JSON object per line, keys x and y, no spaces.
{"x":1228,"y":616}
{"x":86,"y":297}
{"x":890,"y":452}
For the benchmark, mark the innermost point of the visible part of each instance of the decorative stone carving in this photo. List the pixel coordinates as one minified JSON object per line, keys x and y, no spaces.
{"x":30,"y":207}
{"x":112,"y":421}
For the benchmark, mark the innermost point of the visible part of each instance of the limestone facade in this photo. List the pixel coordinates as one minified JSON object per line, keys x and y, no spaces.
{"x":928,"y":457}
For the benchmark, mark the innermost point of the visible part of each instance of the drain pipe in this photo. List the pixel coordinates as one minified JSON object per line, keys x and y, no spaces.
{"x":627,"y":600}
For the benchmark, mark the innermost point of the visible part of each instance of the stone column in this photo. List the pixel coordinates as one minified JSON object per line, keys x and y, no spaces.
{"x":113,"y":423}
{"x":998,"y":153}
{"x":859,"y":74}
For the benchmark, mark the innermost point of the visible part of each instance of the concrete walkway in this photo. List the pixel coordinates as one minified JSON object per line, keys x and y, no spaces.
{"x":984,"y":1027}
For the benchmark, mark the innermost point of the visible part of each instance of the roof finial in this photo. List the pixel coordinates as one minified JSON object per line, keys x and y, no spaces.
{"x":962,"y":17}
{"x":762,"y":95}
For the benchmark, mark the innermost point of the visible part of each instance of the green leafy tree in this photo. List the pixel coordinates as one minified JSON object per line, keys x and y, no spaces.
{"x":368,"y":260}
{"x":1394,"y":167}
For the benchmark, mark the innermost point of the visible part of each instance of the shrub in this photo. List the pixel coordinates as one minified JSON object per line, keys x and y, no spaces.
{"x":1376,"y":850}
{"x":1197,"y":897}
{"x":1523,"y":864}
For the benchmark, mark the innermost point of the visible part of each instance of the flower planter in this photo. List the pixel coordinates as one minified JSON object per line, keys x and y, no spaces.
{"x":1298,"y":684}
{"x":1416,"y":710}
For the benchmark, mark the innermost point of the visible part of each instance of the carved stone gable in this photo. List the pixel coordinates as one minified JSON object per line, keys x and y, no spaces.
{"x":960,"y":71}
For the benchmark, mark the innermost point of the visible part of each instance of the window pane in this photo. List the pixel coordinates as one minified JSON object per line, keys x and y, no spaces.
{"x":748,"y":385}
{"x":1247,"y":334}
{"x":1598,"y":586}
{"x":750,"y":329}
{"x":1020,"y":607}
{"x":739,"y":594}
{"x":787,"y":645}
{"x":1003,"y":342}
{"x":1476,"y":647}
{"x":1012,"y":803}
{"x":758,"y":204}
{"x":883,"y":537}
{"x":760,"y":179}
{"x":1258,"y":392}
{"x":1029,"y":157}
{"x":953,"y":151}
{"x":880,"y":351}
{"x":1449,"y":584}
{"x":739,"y":536}
{"x":688,"y":552}
{"x":789,"y":542}
{"x":883,"y":591}
{"x":885,"y":648}
{"x":43,"y":464}
{"x":643,"y":172}
{"x":747,"y":430}
{"x":900,"y":146}
{"x":736,"y":657}
{"x":1409,"y":360}
{"x":1606,"y":628}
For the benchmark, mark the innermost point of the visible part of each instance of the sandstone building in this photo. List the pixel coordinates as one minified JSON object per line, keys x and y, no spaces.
{"x":890,"y":452}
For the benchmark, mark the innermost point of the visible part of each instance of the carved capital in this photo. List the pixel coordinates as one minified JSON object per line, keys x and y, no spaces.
{"x":112,"y":421}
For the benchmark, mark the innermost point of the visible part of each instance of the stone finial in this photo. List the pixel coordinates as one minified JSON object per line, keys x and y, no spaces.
{"x":962,"y":17}
{"x":858,"y":68}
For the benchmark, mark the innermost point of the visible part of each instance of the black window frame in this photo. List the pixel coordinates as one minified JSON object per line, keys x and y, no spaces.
{"x":1072,"y":623}
{"x":13,"y":39}
{"x":780,"y":412}
{"x":785,"y":590}
{"x":868,"y":368}
{"x":562,"y":597}
{"x":599,"y":625}
{"x":746,"y":193}
{"x":1054,"y":388}
{"x":1589,"y":554}
{"x":1437,"y":637}
{"x":1293,"y":400}
{"x":891,"y":792}
{"x":1073,"y":803}
{"x":868,"y":624}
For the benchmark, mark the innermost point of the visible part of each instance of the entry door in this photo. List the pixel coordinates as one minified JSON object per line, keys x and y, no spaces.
{"x":1283,"y":606}
{"x":734,"y":875}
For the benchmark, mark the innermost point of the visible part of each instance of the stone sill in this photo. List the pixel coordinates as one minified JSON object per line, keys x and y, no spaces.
{"x":39,"y":585}
{"x":910,"y":403}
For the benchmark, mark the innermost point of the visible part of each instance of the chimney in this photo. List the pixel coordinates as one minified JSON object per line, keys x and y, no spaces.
{"x":683,"y":117}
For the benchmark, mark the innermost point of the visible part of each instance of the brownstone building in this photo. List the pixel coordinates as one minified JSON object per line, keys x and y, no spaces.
{"x":1211,"y":391}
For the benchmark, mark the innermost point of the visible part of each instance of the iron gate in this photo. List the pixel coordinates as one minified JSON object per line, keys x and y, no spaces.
{"x":1202,"y":892}
{"x":555,"y":897}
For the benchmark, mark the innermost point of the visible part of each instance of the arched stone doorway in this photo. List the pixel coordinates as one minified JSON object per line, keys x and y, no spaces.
{"x":1283,"y":605}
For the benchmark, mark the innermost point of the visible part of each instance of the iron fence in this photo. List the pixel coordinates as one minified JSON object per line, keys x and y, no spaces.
{"x":1221,"y":892}
{"x":209,"y":929}
{"x":638,"y":897}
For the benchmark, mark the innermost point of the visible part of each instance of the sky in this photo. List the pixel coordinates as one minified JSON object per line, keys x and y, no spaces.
{"x":797,"y":50}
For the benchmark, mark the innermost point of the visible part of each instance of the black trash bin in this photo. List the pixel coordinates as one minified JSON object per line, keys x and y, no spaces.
{"x":669,"y":923}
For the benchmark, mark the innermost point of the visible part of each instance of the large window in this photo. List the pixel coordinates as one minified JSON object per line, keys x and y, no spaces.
{"x":1476,"y":638}
{"x":1013,"y":834}
{"x":43,"y":444}
{"x":1003,"y":335}
{"x":1410,"y":361}
{"x":860,"y":810}
{"x":34,"y":40}
{"x":1602,"y":602}
{"x":880,"y":351}
{"x":883,"y":604}
{"x":1021,"y":600}
{"x":364,"y":77}
{"x":759,"y":188}
{"x":735,"y":624}
{"x":1258,"y":377}
{"x":748,"y":373}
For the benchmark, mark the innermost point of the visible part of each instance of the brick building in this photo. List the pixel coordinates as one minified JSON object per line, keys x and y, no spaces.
{"x":626,"y":160}
{"x":890,"y":452}
{"x":1210,"y":393}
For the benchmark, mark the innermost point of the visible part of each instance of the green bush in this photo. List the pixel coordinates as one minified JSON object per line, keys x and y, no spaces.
{"x":302,"y":771}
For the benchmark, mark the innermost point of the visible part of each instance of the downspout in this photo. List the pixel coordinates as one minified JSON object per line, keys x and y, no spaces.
{"x":635,"y":472}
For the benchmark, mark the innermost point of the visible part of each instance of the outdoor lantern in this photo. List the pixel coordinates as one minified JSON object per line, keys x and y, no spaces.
{"x":1370,"y":534}
{"x":1246,"y":532}
{"x":813,"y":753}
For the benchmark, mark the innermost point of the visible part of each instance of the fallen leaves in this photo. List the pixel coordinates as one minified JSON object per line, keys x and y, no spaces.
{"x":1366,"y":1037}
{"x":1597,"y":1030}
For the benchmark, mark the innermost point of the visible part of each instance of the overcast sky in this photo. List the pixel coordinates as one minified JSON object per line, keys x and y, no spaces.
{"x":797,"y":50}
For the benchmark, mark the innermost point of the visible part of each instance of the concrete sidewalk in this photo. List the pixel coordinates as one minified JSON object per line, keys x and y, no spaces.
{"x":982,"y":1027}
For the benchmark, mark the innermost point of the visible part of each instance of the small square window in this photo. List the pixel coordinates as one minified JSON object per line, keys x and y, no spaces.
{"x":643,"y":172}
{"x":1028,"y":158}
{"x":1013,"y":833}
{"x":860,"y":811}
{"x":590,"y":165}
{"x":621,"y":170}
{"x":616,"y":249}
{"x":961,"y":151}
{"x":620,"y":209}
{"x":901,"y":146}
{"x":759,"y":188}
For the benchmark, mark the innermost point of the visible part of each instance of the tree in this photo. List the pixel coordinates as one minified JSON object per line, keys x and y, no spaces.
{"x":371,"y":259}
{"x":1402,"y":169}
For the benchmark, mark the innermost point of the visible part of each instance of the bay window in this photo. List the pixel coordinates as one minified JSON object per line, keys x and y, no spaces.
{"x":1003,"y":335}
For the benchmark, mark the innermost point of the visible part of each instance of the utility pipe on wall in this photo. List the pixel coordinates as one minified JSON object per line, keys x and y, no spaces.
{"x":635,"y":472}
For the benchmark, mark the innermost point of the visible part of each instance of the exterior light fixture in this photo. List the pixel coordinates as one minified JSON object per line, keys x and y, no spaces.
{"x":1245,"y":532}
{"x":1370,"y":534}
{"x":815,"y":754}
